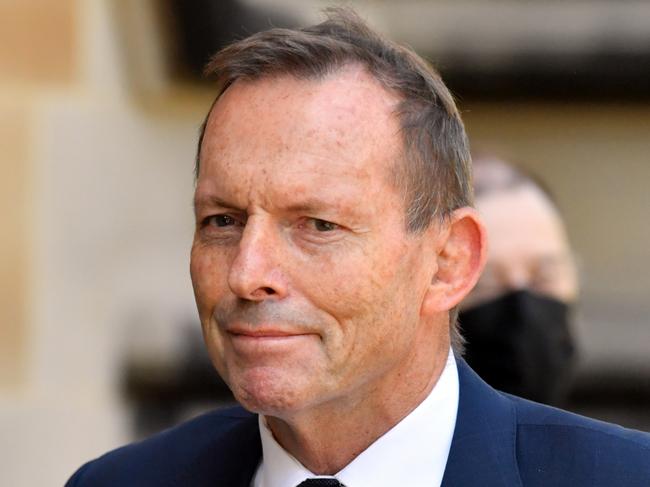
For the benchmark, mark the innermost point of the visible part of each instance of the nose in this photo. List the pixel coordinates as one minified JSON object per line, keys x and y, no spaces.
{"x":256,"y":273}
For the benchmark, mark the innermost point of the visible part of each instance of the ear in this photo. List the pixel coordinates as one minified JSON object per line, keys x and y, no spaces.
{"x":461,"y":253}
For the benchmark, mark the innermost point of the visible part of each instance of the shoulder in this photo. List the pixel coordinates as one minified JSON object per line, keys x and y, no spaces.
{"x":193,"y":451}
{"x":578,"y":450}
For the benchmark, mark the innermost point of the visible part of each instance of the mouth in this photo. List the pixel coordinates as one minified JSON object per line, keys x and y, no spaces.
{"x":264,"y":340}
{"x":265,"y":330}
{"x":265,"y":333}
{"x":267,"y":336}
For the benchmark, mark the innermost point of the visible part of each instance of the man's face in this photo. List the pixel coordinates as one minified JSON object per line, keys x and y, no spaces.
{"x":528,"y":249}
{"x":308,"y":287}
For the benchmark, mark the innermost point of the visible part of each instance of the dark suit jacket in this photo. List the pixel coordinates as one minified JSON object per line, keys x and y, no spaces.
{"x":499,"y":440}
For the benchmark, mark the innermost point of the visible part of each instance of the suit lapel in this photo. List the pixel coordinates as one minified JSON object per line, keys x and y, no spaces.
{"x":244,"y":453}
{"x":230,"y":460}
{"x":483,"y":448}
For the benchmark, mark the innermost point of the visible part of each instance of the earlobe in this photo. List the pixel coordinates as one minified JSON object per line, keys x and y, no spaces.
{"x":461,"y":254}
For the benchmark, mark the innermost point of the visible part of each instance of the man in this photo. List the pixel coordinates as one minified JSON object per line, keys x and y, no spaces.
{"x":516,"y":319}
{"x":334,"y":240}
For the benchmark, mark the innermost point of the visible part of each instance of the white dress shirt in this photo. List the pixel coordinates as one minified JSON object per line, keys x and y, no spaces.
{"x":414,"y":452}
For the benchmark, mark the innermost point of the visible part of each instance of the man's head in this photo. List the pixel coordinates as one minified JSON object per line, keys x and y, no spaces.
{"x":333,"y":234}
{"x":517,"y":319}
{"x":529,"y":247}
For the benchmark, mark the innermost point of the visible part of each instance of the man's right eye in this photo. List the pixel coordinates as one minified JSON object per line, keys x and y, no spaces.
{"x":219,"y":221}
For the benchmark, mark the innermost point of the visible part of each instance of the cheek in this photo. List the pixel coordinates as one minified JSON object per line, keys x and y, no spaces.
{"x":208,"y":288}
{"x":208,"y":274}
{"x":343,"y":283}
{"x":362,"y":285}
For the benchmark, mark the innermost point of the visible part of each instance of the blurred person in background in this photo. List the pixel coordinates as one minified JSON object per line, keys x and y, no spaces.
{"x":335,"y":238}
{"x":517,"y":320}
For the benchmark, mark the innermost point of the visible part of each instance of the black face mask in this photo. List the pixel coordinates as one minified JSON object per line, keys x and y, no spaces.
{"x":521,"y":343}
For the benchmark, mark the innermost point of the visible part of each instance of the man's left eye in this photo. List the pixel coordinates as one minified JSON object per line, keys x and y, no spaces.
{"x":324,"y":225}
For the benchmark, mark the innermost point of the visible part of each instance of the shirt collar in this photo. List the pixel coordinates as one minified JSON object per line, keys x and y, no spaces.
{"x":414,"y":452}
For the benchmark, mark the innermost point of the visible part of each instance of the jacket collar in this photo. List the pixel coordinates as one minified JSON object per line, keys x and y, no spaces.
{"x":237,"y":454}
{"x":483,"y":448}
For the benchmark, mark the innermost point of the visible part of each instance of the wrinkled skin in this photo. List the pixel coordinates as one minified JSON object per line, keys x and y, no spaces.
{"x":318,"y":308}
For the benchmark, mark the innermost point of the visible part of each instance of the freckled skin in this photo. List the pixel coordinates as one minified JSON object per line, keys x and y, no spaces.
{"x":279,"y":153}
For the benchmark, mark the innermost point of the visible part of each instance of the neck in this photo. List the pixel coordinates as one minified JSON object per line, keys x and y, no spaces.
{"x":329,"y":438}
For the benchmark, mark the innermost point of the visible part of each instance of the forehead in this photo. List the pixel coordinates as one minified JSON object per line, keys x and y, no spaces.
{"x":348,"y":96}
{"x":343,"y":124}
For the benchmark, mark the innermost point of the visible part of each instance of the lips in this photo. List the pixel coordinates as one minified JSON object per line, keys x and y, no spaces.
{"x":266,"y":330}
{"x":264,"y":340}
{"x":263,"y":333}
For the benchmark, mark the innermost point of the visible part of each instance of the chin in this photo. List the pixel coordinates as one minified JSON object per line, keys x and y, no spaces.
{"x":270,"y":394}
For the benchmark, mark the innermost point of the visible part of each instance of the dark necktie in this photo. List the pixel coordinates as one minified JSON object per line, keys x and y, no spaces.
{"x":320,"y":483}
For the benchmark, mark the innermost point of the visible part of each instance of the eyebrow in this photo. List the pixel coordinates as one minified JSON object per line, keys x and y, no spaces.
{"x":212,"y":200}
{"x":309,"y":205}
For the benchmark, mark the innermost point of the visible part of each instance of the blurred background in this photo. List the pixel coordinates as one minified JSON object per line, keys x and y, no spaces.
{"x":100,"y":105}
